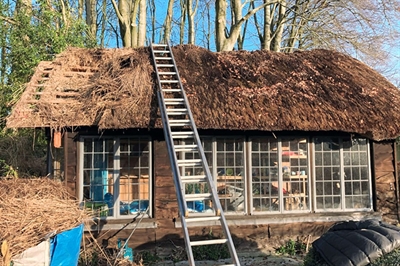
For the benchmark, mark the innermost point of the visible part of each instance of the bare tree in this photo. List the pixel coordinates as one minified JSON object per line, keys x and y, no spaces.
{"x":182,"y":21}
{"x":168,"y":22}
{"x":91,"y":17}
{"x":226,"y":38}
{"x":191,"y":13}
{"x":130,"y":14}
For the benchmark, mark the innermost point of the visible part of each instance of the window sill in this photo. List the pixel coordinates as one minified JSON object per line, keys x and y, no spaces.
{"x":288,"y":218}
{"x":118,"y":224}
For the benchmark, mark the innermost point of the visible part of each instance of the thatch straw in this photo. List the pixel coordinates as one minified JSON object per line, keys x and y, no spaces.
{"x":313,"y":91}
{"x":32,"y":208}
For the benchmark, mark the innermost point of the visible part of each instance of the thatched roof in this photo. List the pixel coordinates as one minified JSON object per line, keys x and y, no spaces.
{"x":315,"y":90}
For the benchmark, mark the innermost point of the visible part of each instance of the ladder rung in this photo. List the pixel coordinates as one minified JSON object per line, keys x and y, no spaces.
{"x":191,"y":162}
{"x":167,"y":73}
{"x":164,"y":65}
{"x":185,"y":148}
{"x":198,"y":196}
{"x":177,"y":112}
{"x":169,"y":81}
{"x":179,"y":123}
{"x":202,"y":219}
{"x":174,"y":101}
{"x":194,"y":178}
{"x":158,"y":45}
{"x":163,"y":58}
{"x":172,"y":110}
{"x":208,"y":242}
{"x":161,"y":51}
{"x":182,"y":135}
{"x":171,"y":90}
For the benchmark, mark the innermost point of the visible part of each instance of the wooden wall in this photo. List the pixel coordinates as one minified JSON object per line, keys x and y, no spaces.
{"x":246,"y":237}
{"x":385,"y":181}
{"x":166,"y":236}
{"x":70,"y":162}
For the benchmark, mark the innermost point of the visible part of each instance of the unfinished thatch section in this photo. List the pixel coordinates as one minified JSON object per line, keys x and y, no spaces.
{"x":315,"y":90}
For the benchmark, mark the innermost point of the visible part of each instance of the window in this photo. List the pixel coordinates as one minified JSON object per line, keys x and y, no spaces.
{"x":196,"y":169}
{"x":230,"y":176}
{"x":279,"y":175}
{"x":342,"y":176}
{"x":283,"y":175}
{"x":116,"y":175}
{"x":225,"y":158}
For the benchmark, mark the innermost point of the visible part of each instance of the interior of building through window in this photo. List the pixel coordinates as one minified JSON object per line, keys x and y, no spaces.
{"x":230,"y":174}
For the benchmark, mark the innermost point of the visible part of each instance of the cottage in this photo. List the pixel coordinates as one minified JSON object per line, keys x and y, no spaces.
{"x":294,"y":142}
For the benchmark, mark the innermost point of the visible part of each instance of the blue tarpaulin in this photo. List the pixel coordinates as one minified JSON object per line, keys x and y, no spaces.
{"x":61,"y":249}
{"x":65,"y":247}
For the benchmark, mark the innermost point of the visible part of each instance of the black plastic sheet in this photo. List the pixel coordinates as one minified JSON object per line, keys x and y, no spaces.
{"x":357,"y":243}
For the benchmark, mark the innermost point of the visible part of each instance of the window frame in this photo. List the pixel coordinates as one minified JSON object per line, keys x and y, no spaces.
{"x":116,"y":172}
{"x":281,"y":198}
{"x":311,"y":172}
{"x":342,"y":177}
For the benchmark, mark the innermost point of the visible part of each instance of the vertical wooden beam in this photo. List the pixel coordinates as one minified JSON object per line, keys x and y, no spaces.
{"x":49,"y":159}
{"x":396,"y":177}
{"x":373,"y":175}
{"x":66,"y":144}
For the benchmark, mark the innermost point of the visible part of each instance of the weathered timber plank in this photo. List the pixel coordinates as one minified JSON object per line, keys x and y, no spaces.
{"x":161,"y":159}
{"x":383,"y":156}
{"x":385,"y":177}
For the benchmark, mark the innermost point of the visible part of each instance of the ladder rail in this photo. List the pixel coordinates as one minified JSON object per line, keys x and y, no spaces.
{"x":193,"y":134}
{"x":174,"y":164}
{"x":206,"y":168}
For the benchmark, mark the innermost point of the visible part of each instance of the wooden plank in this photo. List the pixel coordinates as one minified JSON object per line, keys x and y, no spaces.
{"x":385,"y":177}
{"x":161,"y":159}
{"x":70,"y":161}
{"x":383,"y":156}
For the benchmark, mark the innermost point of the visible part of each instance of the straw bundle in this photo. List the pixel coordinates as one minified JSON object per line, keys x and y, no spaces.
{"x":32,"y":208}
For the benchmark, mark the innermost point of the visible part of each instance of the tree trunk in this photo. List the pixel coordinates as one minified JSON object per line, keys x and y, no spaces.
{"x":81,"y":4}
{"x":23,"y":7}
{"x":227,"y":43}
{"x":168,"y":22}
{"x":91,"y":17}
{"x":266,"y":40}
{"x":103,"y":22}
{"x":182,"y":20}
{"x":191,"y":15}
{"x":153,"y":20}
{"x":127,"y":12}
{"x":220,"y":24}
{"x":142,"y":24}
{"x":277,"y":39}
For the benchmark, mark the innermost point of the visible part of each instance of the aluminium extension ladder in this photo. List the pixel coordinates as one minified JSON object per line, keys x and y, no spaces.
{"x":183,"y":141}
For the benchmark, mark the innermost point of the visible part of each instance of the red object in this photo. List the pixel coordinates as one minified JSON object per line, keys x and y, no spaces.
{"x":57,"y":139}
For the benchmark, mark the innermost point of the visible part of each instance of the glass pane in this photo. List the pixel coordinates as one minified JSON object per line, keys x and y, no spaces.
{"x":87,"y":161}
{"x":328,"y":171}
{"x":98,"y":146}
{"x":133,"y":185}
{"x":230,"y":179}
{"x":87,"y":145}
{"x":295,"y":174}
{"x":124,"y":145}
{"x":109,"y":145}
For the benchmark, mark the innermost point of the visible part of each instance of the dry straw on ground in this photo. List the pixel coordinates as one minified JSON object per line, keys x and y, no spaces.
{"x":32,"y":208}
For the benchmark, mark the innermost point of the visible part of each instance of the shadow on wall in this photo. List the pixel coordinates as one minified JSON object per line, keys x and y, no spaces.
{"x":168,"y":243}
{"x":254,"y":240}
